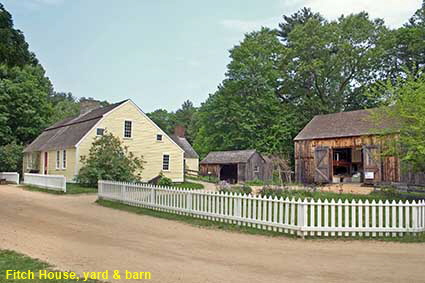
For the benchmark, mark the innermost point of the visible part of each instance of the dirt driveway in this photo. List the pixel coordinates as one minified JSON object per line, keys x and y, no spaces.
{"x":74,"y":234}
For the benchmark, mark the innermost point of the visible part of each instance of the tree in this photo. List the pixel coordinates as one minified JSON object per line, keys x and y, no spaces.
{"x":245,"y":111}
{"x":24,"y":107}
{"x":298,"y":18}
{"x":109,"y":159}
{"x":64,"y":105}
{"x":164,"y":119}
{"x":405,"y":106}
{"x":185,"y":117}
{"x":13,"y":47}
{"x":11,"y":157}
{"x":327,"y":66}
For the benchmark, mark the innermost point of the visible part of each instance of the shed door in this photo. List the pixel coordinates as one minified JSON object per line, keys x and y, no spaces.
{"x":322,"y":165}
{"x":371,"y":164}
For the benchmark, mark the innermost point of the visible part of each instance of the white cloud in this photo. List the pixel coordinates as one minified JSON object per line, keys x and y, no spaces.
{"x":394,"y":12}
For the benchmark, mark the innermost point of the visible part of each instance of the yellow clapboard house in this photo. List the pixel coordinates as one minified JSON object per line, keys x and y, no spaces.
{"x":59,"y":148}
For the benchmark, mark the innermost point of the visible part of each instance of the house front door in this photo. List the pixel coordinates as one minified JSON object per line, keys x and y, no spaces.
{"x":46,"y":162}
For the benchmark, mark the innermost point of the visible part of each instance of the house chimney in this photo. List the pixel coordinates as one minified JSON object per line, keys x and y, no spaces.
{"x":179,"y":131}
{"x":88,"y":105}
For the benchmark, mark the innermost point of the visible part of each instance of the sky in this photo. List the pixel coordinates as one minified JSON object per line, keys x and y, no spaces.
{"x":159,"y":53}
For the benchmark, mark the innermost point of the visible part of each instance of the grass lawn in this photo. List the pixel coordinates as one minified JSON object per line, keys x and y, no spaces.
{"x":189,"y":185}
{"x":199,"y":222}
{"x":71,"y":189}
{"x":10,"y":260}
{"x":207,"y":179}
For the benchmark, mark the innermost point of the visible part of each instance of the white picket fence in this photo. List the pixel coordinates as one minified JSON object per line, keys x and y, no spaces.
{"x":300,"y":217}
{"x":51,"y":182}
{"x":12,"y":177}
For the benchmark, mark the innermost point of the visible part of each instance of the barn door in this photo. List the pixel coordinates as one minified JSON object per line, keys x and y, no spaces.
{"x":322,"y":165}
{"x":371,"y":164}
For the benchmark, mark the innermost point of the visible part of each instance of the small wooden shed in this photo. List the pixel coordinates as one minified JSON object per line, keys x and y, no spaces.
{"x":236,"y":166}
{"x":346,"y":147}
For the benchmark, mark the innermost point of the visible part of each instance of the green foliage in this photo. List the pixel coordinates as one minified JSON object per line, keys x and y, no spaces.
{"x":109,"y":159}
{"x":64,"y":105}
{"x":11,"y":157}
{"x":24,"y":107}
{"x":164,"y":119}
{"x":406,"y":109}
{"x":188,"y":185}
{"x":244,"y":189}
{"x":164,"y":181}
{"x":209,"y":179}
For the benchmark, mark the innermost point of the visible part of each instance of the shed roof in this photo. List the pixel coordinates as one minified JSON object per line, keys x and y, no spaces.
{"x":189,"y":152}
{"x":68,"y":132}
{"x":343,"y":124}
{"x":231,"y":156}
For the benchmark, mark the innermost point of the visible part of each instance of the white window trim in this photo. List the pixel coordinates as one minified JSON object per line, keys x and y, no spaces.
{"x":255,"y":169}
{"x":64,"y":159}
{"x":123,"y":129}
{"x":169,"y":162}
{"x":29,"y":161}
{"x":100,"y":129}
{"x":58,"y":159}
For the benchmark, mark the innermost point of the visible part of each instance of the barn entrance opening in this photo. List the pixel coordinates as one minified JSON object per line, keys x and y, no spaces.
{"x":229,"y":173}
{"x":347,"y":165}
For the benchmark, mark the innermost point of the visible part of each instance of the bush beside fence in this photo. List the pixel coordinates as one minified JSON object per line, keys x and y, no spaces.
{"x":12,"y":177}
{"x":301,"y":217}
{"x":51,"y":182}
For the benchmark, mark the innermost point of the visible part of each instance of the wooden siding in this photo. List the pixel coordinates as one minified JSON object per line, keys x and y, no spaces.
{"x":142,"y":143}
{"x":192,"y":165}
{"x":391,"y":167}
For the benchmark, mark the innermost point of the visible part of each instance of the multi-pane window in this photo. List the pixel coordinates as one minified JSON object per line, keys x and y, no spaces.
{"x":58,"y":159}
{"x":256,"y":169}
{"x":64,"y":159}
{"x":159,"y":137}
{"x":100,"y":131}
{"x":166,"y":162}
{"x":127,"y":129}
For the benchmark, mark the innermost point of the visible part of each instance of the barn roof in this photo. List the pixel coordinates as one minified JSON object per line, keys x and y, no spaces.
{"x":68,"y":132}
{"x":343,"y":124}
{"x":231,"y":156}
{"x":189,"y":152}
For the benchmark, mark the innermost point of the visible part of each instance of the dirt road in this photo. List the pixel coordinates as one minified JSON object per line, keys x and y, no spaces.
{"x":74,"y":234}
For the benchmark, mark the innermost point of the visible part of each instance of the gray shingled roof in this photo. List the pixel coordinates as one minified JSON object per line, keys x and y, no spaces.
{"x":231,"y":156}
{"x":68,"y":132}
{"x":189,"y":152}
{"x":343,"y":124}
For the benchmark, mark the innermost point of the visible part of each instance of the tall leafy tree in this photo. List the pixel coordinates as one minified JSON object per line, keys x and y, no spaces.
{"x":327,"y":66}
{"x":245,"y":111}
{"x":164,"y":119}
{"x":298,"y":18}
{"x":185,"y":117}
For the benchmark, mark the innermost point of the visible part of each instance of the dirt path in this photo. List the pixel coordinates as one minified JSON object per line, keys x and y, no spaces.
{"x":74,"y":234}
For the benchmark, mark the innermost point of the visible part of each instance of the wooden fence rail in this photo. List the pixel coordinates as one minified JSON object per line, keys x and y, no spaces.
{"x":301,"y":217}
{"x":51,"y":182}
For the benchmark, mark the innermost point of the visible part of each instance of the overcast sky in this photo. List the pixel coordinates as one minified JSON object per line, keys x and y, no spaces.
{"x":159,"y":53}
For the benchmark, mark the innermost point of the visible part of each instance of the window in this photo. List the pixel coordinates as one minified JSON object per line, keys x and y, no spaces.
{"x":256,"y":169}
{"x":100,"y":131}
{"x":166,"y":162}
{"x":58,"y":159}
{"x":159,"y":137}
{"x":64,"y":159}
{"x":29,"y":161}
{"x":127,"y":129}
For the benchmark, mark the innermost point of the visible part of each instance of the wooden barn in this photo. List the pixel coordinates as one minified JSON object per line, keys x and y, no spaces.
{"x":345,"y":147}
{"x":236,"y":166}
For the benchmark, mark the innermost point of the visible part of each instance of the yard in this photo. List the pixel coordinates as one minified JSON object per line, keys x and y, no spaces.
{"x":71,"y":233}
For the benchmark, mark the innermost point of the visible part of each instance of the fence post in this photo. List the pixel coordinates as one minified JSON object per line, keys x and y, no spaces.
{"x":302,"y":217}
{"x":152,"y":195}
{"x":189,"y":200}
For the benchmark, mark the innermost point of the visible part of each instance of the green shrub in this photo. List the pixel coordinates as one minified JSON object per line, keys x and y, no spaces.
{"x":244,"y":189}
{"x":11,"y":158}
{"x":255,"y":182}
{"x":109,"y":159}
{"x":164,"y":181}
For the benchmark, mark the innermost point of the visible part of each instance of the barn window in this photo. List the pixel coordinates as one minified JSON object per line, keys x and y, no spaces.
{"x":256,"y":169}
{"x":166,"y":162}
{"x":64,"y":159}
{"x":58,"y":159}
{"x":128,"y":125}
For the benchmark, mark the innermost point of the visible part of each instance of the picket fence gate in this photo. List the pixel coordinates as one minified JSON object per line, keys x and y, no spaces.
{"x":300,"y":217}
{"x":50,"y":182}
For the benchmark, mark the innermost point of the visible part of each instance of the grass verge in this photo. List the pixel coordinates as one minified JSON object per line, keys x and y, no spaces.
{"x":71,"y":189}
{"x":188,"y":185}
{"x":10,"y":260}
{"x":199,"y":222}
